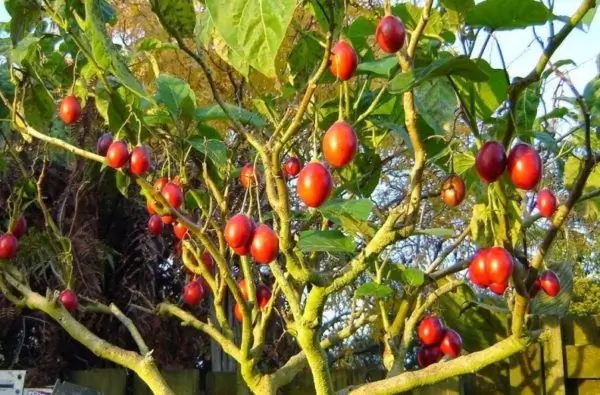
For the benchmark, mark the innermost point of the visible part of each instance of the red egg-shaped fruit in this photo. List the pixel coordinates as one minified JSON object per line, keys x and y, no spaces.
{"x":181,"y":231}
{"x":453,"y":190}
{"x":19,"y":228}
{"x":430,"y":330}
{"x":390,"y":34}
{"x":173,"y":194}
{"x":499,"y":265}
{"x":155,"y":225}
{"x":8,"y":246}
{"x":535,"y":288}
{"x":263,"y":295}
{"x":242,"y":250}
{"x":546,"y":203}
{"x":314,"y":184}
{"x":340,"y":144}
{"x":264,"y":247}
{"x":292,"y":166}
{"x":117,"y":155}
{"x":498,"y":288}
{"x":524,"y":166}
{"x":428,"y":356}
{"x":104,"y":143}
{"x":167,"y":219}
{"x":238,"y":231}
{"x":193,"y":293}
{"x":490,"y":162}
{"x":249,"y":177}
{"x":451,"y":344}
{"x":477,"y":269}
{"x":237,"y":312}
{"x":68,"y":299}
{"x":343,"y":60}
{"x":69,"y":110}
{"x":550,"y":283}
{"x":140,"y":161}
{"x":208,"y":261}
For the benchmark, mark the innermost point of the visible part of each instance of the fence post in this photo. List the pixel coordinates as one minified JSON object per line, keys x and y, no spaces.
{"x":554,"y":366}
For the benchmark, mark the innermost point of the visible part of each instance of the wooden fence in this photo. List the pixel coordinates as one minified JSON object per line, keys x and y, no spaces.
{"x":568,"y":363}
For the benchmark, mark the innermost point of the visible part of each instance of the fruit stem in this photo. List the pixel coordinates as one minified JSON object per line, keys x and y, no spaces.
{"x":341,"y":106}
{"x":314,"y":134}
{"x":387,"y":6}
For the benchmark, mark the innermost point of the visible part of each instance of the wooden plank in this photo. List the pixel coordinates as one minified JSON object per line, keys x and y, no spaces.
{"x":583,"y":387}
{"x":583,"y":362}
{"x":526,"y":372}
{"x":105,"y":381}
{"x":554,"y":366}
{"x":581,"y":330}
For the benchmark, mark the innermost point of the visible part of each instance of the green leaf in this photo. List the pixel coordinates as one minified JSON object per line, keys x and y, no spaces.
{"x":351,"y":215}
{"x":176,"y":95}
{"x":325,"y":241}
{"x":215,"y":112}
{"x":558,"y":112}
{"x":462,"y":162}
{"x":385,"y":67}
{"x":573,"y":168}
{"x":358,"y":33}
{"x":527,"y":107}
{"x":322,"y":12}
{"x":178,"y":15}
{"x":547,"y":140}
{"x":109,"y":13}
{"x":215,"y":150}
{"x":104,"y":51}
{"x":26,"y":51}
{"x":371,"y":289}
{"x":588,"y":18}
{"x":483,"y":98}
{"x":38,"y":106}
{"x":123,"y":181}
{"x":153,"y":44}
{"x":412,"y":277}
{"x":253,"y":28}
{"x":303,"y":59}
{"x":508,"y":14}
{"x":362,"y":175}
{"x":438,"y":232}
{"x":25,"y":15}
{"x":411,"y":15}
{"x":458,"y":5}
{"x":558,"y":305}
{"x":452,"y":66}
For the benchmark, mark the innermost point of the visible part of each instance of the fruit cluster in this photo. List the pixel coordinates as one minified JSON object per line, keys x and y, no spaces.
{"x":436,"y":341}
{"x":244,"y":236}
{"x":548,"y":282}
{"x":491,"y":267}
{"x":173,"y":194}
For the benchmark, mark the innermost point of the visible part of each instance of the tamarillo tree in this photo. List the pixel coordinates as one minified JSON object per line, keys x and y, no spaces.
{"x":384,"y":128}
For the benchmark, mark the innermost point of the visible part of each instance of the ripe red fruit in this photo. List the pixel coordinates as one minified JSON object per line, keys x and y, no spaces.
{"x":19,"y":228}
{"x":243,"y":288}
{"x":292,"y":166}
{"x":535,"y":288}
{"x":104,"y":143}
{"x":193,"y":293}
{"x":117,"y":154}
{"x":499,"y":265}
{"x":524,"y":166}
{"x":68,"y":299}
{"x":167,"y":219}
{"x":181,"y":231}
{"x":490,"y":161}
{"x":173,"y":194}
{"x":314,"y":184}
{"x":208,"y":261}
{"x":429,"y":355}
{"x":263,"y":295}
{"x":69,"y":110}
{"x":265,"y":245}
{"x":202,"y":281}
{"x":340,"y":144}
{"x":343,"y":60}
{"x":549,"y":283}
{"x":237,"y":312}
{"x":453,"y":190}
{"x":155,"y":225}
{"x":477,"y":269}
{"x":451,"y":344}
{"x":140,"y":162}
{"x":243,"y":250}
{"x":390,"y":34}
{"x":160,"y":183}
{"x":238,"y":231}
{"x":546,"y":203}
{"x":8,"y":246}
{"x":249,"y":176}
{"x":431,"y":330}
{"x":499,"y":288}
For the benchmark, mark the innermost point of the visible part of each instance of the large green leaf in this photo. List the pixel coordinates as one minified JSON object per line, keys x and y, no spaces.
{"x":452,"y":66}
{"x":378,"y":291}
{"x":38,"y":106}
{"x":325,"y":241}
{"x":483,"y":98}
{"x":215,"y":112}
{"x":253,"y":28}
{"x":351,"y":215}
{"x":214,"y":150}
{"x":384,"y":67}
{"x":508,"y":14}
{"x":573,"y":167}
{"x":104,"y":52}
{"x":526,"y":110}
{"x":24,"y":14}
{"x":176,"y":95}
{"x":177,"y":15}
{"x":406,"y":275}
{"x":358,"y":33}
{"x":303,"y":59}
{"x":458,"y":5}
{"x":411,"y":15}
{"x":26,"y":51}
{"x":362,"y":175}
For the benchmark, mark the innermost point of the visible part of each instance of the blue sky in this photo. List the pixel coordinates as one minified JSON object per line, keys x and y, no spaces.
{"x":521,"y":53}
